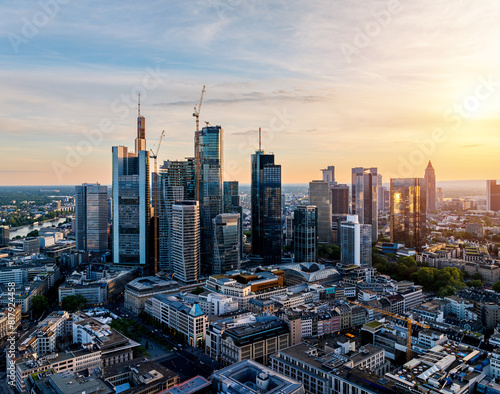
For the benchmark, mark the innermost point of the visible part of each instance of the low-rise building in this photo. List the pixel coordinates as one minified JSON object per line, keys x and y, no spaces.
{"x":138,"y":291}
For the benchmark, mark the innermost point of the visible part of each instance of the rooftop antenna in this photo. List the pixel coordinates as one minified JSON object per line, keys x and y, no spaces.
{"x":260,"y":139}
{"x":139,"y":106}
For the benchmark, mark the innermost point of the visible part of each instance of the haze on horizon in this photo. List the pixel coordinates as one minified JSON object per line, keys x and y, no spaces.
{"x":388,"y":84}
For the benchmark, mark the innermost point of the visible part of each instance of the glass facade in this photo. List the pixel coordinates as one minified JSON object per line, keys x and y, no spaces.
{"x":176,"y":182}
{"x":320,"y":196}
{"x":91,"y":216}
{"x":408,"y":211}
{"x":364,"y":197}
{"x":305,"y":230}
{"x":227,"y":242}
{"x":211,"y":170}
{"x":266,"y":208}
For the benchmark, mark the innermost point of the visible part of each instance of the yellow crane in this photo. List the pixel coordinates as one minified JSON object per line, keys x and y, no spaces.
{"x":196,"y":114}
{"x":154,"y":156}
{"x":409,"y":324}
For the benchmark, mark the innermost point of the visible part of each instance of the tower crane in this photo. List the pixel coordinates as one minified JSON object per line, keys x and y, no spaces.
{"x":154,"y":156}
{"x":409,"y":324}
{"x":196,"y":114}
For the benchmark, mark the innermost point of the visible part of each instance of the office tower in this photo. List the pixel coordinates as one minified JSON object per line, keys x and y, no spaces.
{"x":320,"y":196}
{"x":131,"y":202}
{"x":186,"y":241}
{"x":231,"y":195}
{"x":305,"y":230}
{"x":110,"y":209}
{"x":430,"y":184}
{"x":227,"y":242}
{"x":232,"y":205}
{"x":493,"y":195}
{"x":408,"y":211}
{"x":439,"y":195}
{"x":364,"y":197}
{"x":266,"y":207}
{"x":329,"y":175}
{"x":336,"y":223}
{"x":289,"y":229}
{"x":210,"y":199}
{"x":340,"y":199}
{"x":4,"y":236}
{"x":176,"y":182}
{"x":91,"y":217}
{"x":355,"y":242}
{"x":380,"y":193}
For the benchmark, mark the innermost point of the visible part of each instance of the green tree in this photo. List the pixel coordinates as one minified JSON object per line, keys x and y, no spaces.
{"x":496,"y":286}
{"x":33,"y":233}
{"x":39,"y":304}
{"x":73,"y":303}
{"x":198,"y":290}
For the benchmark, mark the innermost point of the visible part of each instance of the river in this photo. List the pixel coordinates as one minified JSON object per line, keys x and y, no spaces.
{"x":24,"y":230}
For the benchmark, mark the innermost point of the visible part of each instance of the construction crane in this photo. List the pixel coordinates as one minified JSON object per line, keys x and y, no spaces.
{"x":409,"y":324}
{"x":196,"y":114}
{"x":154,"y":156}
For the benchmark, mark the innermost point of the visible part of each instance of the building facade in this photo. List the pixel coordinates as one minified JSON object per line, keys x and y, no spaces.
{"x":355,"y":242}
{"x":430,"y":187}
{"x":91,"y":217}
{"x":305,"y":244}
{"x":364,"y":197}
{"x":320,"y":196}
{"x":492,"y":195}
{"x":227,"y":242}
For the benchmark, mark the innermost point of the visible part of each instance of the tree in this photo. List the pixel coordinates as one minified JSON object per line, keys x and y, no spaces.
{"x":33,"y":233}
{"x":198,"y":290}
{"x":73,"y":303}
{"x":496,"y":286}
{"x":39,"y":303}
{"x":475,"y":283}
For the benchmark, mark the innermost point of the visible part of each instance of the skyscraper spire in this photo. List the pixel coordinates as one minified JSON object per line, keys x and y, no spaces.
{"x":140,"y":141}
{"x":139,"y":105}
{"x":260,"y":139}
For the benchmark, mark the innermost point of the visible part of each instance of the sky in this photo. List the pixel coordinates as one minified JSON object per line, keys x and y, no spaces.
{"x":386,"y":84}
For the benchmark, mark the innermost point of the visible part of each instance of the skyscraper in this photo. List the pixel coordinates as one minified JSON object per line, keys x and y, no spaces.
{"x":355,"y":242}
{"x":492,"y":195}
{"x":232,"y":205}
{"x":329,"y":175}
{"x":340,"y":199}
{"x":430,"y":184}
{"x":305,"y":230}
{"x":266,"y":207}
{"x":4,"y":236}
{"x":364,"y":197}
{"x":91,"y":217}
{"x":227,"y":242}
{"x":176,"y":182}
{"x":380,"y":193}
{"x":210,"y":199}
{"x":186,"y":241}
{"x":320,"y":196}
{"x":408,"y":211}
{"x":131,"y":202}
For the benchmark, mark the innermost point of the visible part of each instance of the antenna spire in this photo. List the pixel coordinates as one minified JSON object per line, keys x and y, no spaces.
{"x":139,"y":105}
{"x":260,"y":139}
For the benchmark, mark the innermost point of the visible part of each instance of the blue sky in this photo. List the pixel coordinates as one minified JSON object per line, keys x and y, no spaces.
{"x":342,"y":83}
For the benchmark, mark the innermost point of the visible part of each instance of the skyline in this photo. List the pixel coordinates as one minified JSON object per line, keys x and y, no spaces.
{"x":290,"y":68}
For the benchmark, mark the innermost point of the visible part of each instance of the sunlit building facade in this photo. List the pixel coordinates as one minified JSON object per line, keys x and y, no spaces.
{"x":492,"y":195}
{"x":364,"y":197}
{"x":320,"y":196}
{"x":430,"y":184}
{"x":227,"y":242}
{"x":305,"y":233}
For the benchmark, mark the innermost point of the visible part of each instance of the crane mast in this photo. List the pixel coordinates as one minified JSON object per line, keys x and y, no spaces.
{"x":154,"y":155}
{"x":196,"y":114}
{"x":409,"y":324}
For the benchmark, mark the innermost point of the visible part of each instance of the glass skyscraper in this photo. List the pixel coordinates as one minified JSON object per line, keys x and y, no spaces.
{"x":91,"y":216}
{"x":232,"y":205}
{"x":408,"y":211}
{"x":227,"y":242}
{"x":364,"y":197}
{"x":430,"y":184}
{"x":266,"y":208}
{"x":210,"y":199}
{"x":320,"y":196}
{"x":305,"y":234}
{"x":176,"y":182}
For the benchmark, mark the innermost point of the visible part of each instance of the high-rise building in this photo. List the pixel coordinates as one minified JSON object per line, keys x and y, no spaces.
{"x":176,"y":182}
{"x":91,"y":217}
{"x":380,"y":193}
{"x":266,"y":207}
{"x":131,"y":202}
{"x":227,"y":242}
{"x":355,"y":242}
{"x":492,"y":195}
{"x":210,"y":199}
{"x":340,"y":199}
{"x":305,"y":230}
{"x":329,"y":175}
{"x":4,"y":236}
{"x":408,"y":211}
{"x":320,"y":196}
{"x":430,"y":184}
{"x":364,"y":197}
{"x":232,"y":205}
{"x":186,"y":241}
